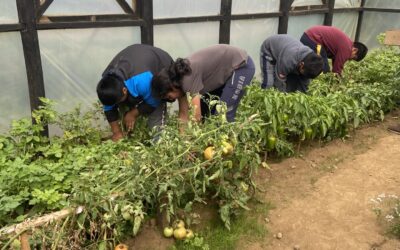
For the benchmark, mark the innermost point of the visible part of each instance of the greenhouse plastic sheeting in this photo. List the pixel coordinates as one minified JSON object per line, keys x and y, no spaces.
{"x":375,"y":23}
{"x":258,"y":30}
{"x":73,"y":61}
{"x":169,"y":8}
{"x":347,"y":3}
{"x":347,"y":22}
{"x":181,"y":40}
{"x":390,"y":4}
{"x":298,"y":24}
{"x":306,"y":2}
{"x":14,"y":101}
{"x":8,"y":12}
{"x":86,"y":7}
{"x":254,"y":6}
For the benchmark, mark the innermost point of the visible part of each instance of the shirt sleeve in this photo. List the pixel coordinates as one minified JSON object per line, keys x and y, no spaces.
{"x":338,"y":62}
{"x":111,"y":113}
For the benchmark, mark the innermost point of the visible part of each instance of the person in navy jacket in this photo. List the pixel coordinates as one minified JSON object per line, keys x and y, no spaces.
{"x":126,"y":84}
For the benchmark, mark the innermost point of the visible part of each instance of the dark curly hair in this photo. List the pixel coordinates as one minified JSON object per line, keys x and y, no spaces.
{"x":168,"y":79}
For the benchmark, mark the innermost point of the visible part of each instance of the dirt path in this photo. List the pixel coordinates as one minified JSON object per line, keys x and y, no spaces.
{"x":322,"y":199}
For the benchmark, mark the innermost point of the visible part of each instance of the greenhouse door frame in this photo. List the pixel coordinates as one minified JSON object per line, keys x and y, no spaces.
{"x":31,"y":15}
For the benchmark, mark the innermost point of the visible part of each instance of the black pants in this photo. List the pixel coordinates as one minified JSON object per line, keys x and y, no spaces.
{"x":296,"y":83}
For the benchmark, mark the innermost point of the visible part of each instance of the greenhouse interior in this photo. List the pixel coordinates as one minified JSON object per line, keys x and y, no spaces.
{"x":222,"y":145}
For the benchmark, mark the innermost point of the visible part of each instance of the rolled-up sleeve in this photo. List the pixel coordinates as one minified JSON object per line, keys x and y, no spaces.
{"x":111,"y":113}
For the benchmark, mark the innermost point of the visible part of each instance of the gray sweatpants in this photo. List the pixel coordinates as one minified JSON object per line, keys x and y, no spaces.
{"x":268,"y":74}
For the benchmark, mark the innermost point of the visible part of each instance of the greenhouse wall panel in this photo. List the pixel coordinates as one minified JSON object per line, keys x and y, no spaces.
{"x":86,"y":7}
{"x":299,"y":24}
{"x":347,"y":22}
{"x":164,"y":9}
{"x":258,"y":30}
{"x":254,"y":6}
{"x":390,"y":4}
{"x":375,"y":23}
{"x":347,"y":3}
{"x":306,"y":2}
{"x":181,"y":40}
{"x":8,"y":11}
{"x":14,"y":101}
{"x":73,"y":61}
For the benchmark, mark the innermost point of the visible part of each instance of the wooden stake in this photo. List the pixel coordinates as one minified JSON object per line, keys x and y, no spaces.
{"x":24,"y":238}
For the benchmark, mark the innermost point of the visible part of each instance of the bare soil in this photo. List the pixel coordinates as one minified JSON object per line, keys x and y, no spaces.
{"x":321,"y":197}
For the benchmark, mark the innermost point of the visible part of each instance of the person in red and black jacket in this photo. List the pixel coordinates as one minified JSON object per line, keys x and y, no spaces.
{"x":334,"y":44}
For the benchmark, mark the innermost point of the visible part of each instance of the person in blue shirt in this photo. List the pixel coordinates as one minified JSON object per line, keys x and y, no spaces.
{"x":126,"y":82}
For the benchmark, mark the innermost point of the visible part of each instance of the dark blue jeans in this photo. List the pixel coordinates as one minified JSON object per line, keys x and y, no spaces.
{"x":312,"y":45}
{"x":231,"y":92}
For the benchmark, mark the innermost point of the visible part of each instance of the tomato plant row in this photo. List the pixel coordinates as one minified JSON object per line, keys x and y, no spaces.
{"x":122,"y":184}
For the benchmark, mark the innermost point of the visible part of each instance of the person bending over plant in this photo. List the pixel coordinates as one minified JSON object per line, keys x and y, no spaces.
{"x":126,"y":85}
{"x":219,"y":70}
{"x":287,"y":64}
{"x":331,"y":42}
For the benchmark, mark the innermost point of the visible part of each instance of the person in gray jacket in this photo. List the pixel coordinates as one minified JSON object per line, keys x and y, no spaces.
{"x":287,"y":64}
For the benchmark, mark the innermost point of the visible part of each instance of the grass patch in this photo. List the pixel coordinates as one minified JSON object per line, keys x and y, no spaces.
{"x":249,"y":226}
{"x":387,"y":209}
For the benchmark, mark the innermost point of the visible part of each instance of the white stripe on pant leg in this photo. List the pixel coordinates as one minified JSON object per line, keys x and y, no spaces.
{"x":233,"y":77}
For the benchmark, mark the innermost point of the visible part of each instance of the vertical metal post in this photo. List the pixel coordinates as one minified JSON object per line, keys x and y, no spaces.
{"x":360,"y":20}
{"x":144,"y":9}
{"x":284,"y":19}
{"x":225,"y":24}
{"x":30,"y":45}
{"x":329,"y":16}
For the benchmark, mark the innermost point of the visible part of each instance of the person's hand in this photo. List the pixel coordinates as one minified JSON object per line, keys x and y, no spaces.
{"x":130,"y":119}
{"x":117,"y":136}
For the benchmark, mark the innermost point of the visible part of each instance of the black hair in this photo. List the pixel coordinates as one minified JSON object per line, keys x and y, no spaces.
{"x":109,"y":89}
{"x":169,"y":78}
{"x":362,"y":50}
{"x":313,"y":65}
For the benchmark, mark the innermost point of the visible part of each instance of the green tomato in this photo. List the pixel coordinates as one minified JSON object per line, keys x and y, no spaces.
{"x":285,"y":118}
{"x":168,"y":232}
{"x":271,"y":142}
{"x":280,"y":130}
{"x":180,"y":233}
{"x":189,"y":234}
{"x":179,"y":224}
{"x":308,"y":133}
{"x":126,"y":215}
{"x":16,"y":244}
